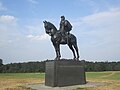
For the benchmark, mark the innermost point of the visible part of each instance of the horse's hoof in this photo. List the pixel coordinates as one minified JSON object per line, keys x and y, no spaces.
{"x":77,"y":59}
{"x":57,"y":58}
{"x":74,"y":59}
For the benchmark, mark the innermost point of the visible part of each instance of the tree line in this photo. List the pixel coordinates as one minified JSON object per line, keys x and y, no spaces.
{"x":30,"y":67}
{"x":102,"y":66}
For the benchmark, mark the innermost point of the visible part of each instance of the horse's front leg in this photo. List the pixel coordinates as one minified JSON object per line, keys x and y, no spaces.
{"x":57,"y":50}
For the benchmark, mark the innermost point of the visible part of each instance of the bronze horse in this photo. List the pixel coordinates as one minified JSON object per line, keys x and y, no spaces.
{"x":56,"y":39}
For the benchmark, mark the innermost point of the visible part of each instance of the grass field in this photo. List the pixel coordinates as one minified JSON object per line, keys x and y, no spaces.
{"x":16,"y":81}
{"x":111,"y":75}
{"x":111,"y":78}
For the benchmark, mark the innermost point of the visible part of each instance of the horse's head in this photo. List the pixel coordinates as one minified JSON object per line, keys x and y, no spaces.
{"x":49,"y":28}
{"x":46,"y":26}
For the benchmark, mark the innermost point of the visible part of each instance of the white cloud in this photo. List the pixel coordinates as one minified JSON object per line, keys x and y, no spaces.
{"x":2,"y":8}
{"x":38,"y":37}
{"x":102,"y":18}
{"x":33,"y":1}
{"x":7,"y":19}
{"x":8,"y":25}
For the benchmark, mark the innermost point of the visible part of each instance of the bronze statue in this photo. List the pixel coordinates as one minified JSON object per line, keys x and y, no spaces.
{"x":57,"y":36}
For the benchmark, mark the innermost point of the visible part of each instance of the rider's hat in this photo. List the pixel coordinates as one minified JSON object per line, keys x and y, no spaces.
{"x":62,"y":16}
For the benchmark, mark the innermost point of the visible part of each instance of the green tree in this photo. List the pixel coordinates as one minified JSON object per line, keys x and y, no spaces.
{"x":1,"y":62}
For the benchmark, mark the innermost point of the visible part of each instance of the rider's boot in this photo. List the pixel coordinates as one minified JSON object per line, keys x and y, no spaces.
{"x":63,"y":37}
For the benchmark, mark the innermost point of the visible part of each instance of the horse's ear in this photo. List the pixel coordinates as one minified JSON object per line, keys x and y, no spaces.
{"x":43,"y":21}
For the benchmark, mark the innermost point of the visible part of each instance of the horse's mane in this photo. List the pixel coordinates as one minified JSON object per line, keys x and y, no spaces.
{"x":52,"y":25}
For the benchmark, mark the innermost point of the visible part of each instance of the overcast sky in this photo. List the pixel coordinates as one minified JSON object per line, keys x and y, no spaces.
{"x":96,"y":24}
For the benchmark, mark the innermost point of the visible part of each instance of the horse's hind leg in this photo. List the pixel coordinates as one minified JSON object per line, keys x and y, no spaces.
{"x":76,"y":48}
{"x":70,"y":46}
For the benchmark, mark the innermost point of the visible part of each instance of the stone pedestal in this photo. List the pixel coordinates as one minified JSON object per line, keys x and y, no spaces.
{"x":64,"y":73}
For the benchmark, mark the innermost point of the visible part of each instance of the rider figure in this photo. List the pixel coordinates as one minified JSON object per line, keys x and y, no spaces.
{"x":65,"y":27}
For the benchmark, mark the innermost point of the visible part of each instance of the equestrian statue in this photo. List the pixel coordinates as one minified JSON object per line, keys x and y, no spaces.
{"x":62,"y":36}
